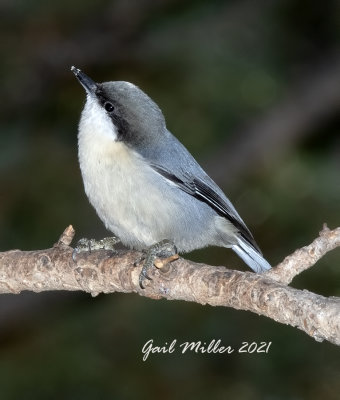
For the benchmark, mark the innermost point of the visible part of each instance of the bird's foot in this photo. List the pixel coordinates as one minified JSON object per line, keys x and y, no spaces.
{"x":164,"y":249}
{"x":88,"y":245}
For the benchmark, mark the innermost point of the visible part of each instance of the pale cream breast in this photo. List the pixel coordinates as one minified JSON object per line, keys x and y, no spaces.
{"x":118,"y":182}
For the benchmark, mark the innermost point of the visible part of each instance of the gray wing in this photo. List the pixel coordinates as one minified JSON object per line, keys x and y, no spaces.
{"x":173,"y":161}
{"x":194,"y":181}
{"x":201,"y":191}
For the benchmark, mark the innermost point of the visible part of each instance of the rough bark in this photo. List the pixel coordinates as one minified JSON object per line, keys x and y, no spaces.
{"x":105,"y":272}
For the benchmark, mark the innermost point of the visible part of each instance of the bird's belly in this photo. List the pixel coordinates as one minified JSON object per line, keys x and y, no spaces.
{"x":137,"y":204}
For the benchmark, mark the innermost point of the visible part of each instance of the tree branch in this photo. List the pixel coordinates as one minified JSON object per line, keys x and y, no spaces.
{"x":104,"y":272}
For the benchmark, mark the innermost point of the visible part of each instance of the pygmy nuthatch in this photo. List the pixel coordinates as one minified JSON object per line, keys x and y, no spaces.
{"x":145,"y":185}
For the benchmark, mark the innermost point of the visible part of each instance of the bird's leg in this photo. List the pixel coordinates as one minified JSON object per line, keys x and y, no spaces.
{"x":162,"y":249}
{"x":88,"y":245}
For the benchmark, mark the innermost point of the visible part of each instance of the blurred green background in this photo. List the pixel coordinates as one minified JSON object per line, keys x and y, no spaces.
{"x":253,"y":90}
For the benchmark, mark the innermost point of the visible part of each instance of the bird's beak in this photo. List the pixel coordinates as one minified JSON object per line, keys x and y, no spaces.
{"x":88,"y":84}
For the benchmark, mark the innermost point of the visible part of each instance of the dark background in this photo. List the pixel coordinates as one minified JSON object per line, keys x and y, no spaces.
{"x":252,"y":88}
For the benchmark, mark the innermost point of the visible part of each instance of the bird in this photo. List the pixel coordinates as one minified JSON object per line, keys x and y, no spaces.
{"x":145,"y":186}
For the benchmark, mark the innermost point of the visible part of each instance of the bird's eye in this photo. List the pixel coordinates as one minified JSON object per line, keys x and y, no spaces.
{"x":108,"y":107}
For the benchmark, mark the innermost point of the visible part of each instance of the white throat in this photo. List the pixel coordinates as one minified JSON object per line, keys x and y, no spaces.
{"x":94,"y":121}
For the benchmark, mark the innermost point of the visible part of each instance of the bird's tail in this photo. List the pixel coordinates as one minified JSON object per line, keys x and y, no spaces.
{"x":250,"y":256}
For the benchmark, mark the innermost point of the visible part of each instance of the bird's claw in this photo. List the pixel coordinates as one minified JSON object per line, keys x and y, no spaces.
{"x":163,"y":249}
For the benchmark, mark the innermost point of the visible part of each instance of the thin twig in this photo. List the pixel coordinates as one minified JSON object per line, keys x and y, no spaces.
{"x":305,"y":257}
